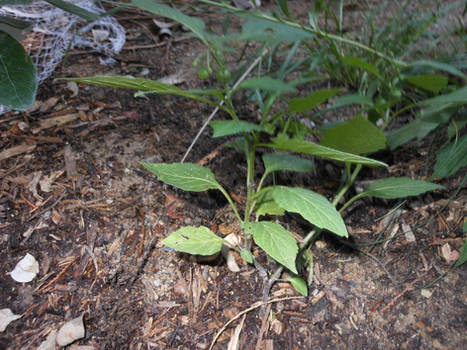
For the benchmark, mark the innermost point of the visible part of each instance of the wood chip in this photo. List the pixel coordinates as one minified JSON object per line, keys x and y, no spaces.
{"x":17,"y":150}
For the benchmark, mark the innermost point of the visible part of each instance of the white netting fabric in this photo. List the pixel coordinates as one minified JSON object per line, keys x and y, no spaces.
{"x":55,"y":31}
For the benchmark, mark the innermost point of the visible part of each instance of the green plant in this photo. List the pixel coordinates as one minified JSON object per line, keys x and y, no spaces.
{"x":279,"y":130}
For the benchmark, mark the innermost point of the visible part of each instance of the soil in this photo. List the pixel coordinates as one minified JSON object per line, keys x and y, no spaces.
{"x":77,"y":199}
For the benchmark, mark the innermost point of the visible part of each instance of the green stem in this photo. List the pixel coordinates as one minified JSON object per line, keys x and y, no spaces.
{"x":350,"y":179}
{"x":250,"y":160}
{"x":232,"y":204}
{"x":307,"y":29}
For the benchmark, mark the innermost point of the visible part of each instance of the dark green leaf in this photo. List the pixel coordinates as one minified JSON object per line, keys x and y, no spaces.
{"x":400,"y":187}
{"x":357,"y":136}
{"x":194,"y":240}
{"x":358,"y":63}
{"x":303,"y":104}
{"x":232,"y":127}
{"x":282,"y":161}
{"x":457,"y":97}
{"x":429,"y":82}
{"x":451,"y":158}
{"x":267,"y":84}
{"x":18,"y":80}
{"x":186,"y":176}
{"x":441,"y":66}
{"x":276,"y":241}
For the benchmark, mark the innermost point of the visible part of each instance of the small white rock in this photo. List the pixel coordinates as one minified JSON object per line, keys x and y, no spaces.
{"x":71,"y":331}
{"x":6,"y":317}
{"x":26,"y":269}
{"x":426,"y":293}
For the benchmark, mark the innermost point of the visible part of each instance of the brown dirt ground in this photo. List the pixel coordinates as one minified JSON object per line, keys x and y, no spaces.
{"x":97,"y":229}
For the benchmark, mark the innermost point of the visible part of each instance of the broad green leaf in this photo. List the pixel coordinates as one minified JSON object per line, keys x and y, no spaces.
{"x":358,"y":63}
{"x":147,"y":85}
{"x":76,"y":10}
{"x":192,"y":23}
{"x":276,"y":241}
{"x":456,"y":97}
{"x":398,"y":187}
{"x":232,"y":127}
{"x":353,"y":99}
{"x":267,"y":84}
{"x":194,"y":240}
{"x":18,"y":80}
{"x":312,"y":206}
{"x":463,"y":255}
{"x":429,"y":82}
{"x":451,"y":158}
{"x":186,"y":176}
{"x":357,"y":136}
{"x":303,"y":104}
{"x":265,"y":205}
{"x":299,"y":285}
{"x":441,"y":66}
{"x":428,"y":120}
{"x":284,"y":143}
{"x":282,"y":161}
{"x":246,"y":255}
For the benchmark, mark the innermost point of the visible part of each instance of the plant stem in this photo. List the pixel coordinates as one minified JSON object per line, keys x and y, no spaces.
{"x":232,"y":204}
{"x":308,"y":29}
{"x":221,"y":103}
{"x":350,"y":180}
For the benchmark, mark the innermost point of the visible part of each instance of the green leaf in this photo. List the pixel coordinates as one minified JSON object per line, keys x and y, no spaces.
{"x":357,"y":136}
{"x":353,"y":99}
{"x":441,"y":66}
{"x":429,"y":82}
{"x":276,"y":241}
{"x":232,"y":127}
{"x":147,"y":85}
{"x":312,"y":206}
{"x":282,"y":161}
{"x":76,"y":10}
{"x":303,"y":104}
{"x":192,"y":23}
{"x":18,"y":80}
{"x":263,"y":30}
{"x":358,"y":63}
{"x":299,"y":285}
{"x":186,"y":176}
{"x":267,"y":84}
{"x":428,"y":120}
{"x":399,"y":187}
{"x":286,"y":144}
{"x":451,"y":158}
{"x":265,"y":204}
{"x":457,"y":97}
{"x":194,"y":240}
{"x":246,"y":255}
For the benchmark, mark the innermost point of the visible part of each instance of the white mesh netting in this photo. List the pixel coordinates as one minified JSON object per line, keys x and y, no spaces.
{"x":55,"y":31}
